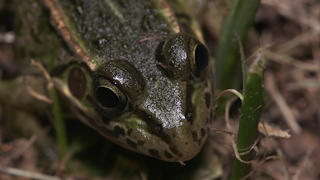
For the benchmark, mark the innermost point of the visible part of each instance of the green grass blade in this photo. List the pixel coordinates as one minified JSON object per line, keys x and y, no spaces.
{"x":253,"y":104}
{"x":228,"y":64}
{"x":61,"y":134}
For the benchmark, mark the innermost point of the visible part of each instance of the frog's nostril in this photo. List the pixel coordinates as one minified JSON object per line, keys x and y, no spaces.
{"x":158,"y":127}
{"x":189,"y":116}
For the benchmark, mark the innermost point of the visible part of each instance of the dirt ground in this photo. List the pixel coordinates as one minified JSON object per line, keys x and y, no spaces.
{"x":288,"y":31}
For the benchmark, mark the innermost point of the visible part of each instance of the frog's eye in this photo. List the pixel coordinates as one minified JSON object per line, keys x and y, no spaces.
{"x":199,"y":58}
{"x":109,"y":97}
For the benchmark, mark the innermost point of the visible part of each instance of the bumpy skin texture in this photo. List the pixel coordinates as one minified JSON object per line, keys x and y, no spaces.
{"x":130,"y":50}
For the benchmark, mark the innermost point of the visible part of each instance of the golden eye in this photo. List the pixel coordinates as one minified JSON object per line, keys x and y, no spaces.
{"x":109,"y":97}
{"x":199,"y":58}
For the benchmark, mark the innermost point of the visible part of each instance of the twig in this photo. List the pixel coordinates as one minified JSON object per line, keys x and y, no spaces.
{"x":228,"y":105}
{"x":224,"y":131}
{"x":270,"y":131}
{"x":62,"y":164}
{"x":260,"y":163}
{"x":227,"y":109}
{"x":234,"y":91}
{"x":283,"y":160}
{"x":237,"y":154}
{"x":35,"y":94}
{"x":252,"y":147}
{"x":25,"y":146}
{"x":282,"y":58}
{"x":18,"y":148}
{"x":302,"y":165}
{"x":143,"y":175}
{"x":306,"y":84}
{"x":234,"y":144}
{"x":27,"y":174}
{"x":280,"y":101}
{"x":45,"y":73}
{"x":182,"y":163}
{"x":289,"y":45}
{"x":147,"y":39}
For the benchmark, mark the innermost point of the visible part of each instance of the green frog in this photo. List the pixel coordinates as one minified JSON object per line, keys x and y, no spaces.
{"x":136,"y":71}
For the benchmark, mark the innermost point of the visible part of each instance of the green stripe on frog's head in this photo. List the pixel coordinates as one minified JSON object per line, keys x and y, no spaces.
{"x":162,"y":110}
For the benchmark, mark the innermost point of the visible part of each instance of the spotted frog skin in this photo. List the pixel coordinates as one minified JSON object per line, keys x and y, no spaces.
{"x":136,"y":71}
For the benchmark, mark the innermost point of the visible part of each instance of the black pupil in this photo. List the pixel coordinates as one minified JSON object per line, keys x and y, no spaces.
{"x":201,"y":57}
{"x":107,"y":98}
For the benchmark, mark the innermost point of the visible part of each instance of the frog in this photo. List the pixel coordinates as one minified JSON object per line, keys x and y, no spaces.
{"x":138,"y":72}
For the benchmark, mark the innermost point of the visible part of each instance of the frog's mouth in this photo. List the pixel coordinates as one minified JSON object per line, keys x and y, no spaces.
{"x":176,"y":144}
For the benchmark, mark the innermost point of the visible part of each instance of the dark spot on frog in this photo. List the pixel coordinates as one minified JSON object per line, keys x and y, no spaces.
{"x":141,"y":143}
{"x":211,"y":114}
{"x":106,"y":121}
{"x":161,"y":64}
{"x":77,"y":82}
{"x":186,"y":143}
{"x":154,"y":126}
{"x":129,"y":132}
{"x":203,"y":132}
{"x":194,"y":136}
{"x":159,"y":55}
{"x":207,"y":120}
{"x":175,"y":151}
{"x":199,"y":141}
{"x":207,"y":97}
{"x":167,"y":154}
{"x":156,"y":129}
{"x":189,"y":116}
{"x":117,"y":131}
{"x":107,"y":131}
{"x":131,"y":143}
{"x":154,"y":153}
